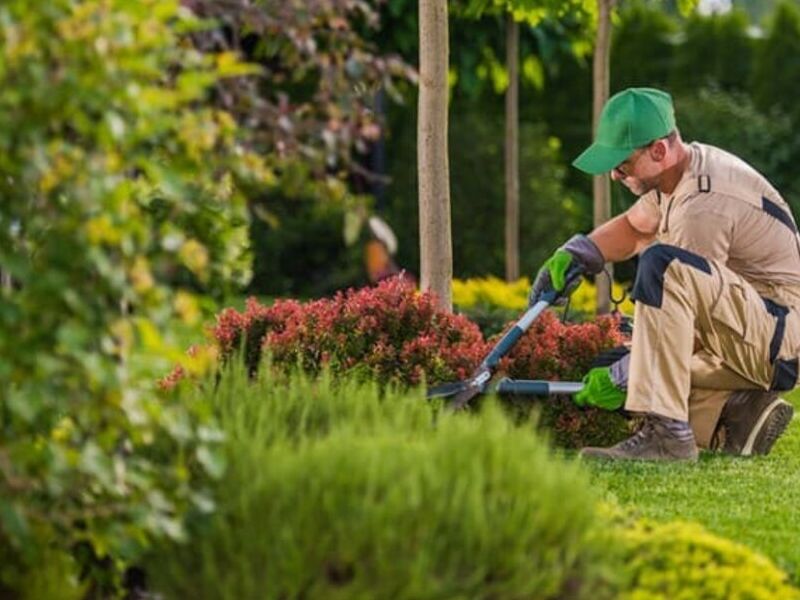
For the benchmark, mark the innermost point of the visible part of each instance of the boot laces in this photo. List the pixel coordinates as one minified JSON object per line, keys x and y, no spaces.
{"x":640,"y":436}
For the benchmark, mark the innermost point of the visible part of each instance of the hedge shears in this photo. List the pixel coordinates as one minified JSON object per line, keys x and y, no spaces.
{"x":462,"y":392}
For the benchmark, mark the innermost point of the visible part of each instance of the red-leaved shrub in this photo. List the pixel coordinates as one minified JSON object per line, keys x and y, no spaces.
{"x":554,"y":350}
{"x":551,"y":349}
{"x":247,"y":330}
{"x":394,"y":334}
{"x":389,"y":332}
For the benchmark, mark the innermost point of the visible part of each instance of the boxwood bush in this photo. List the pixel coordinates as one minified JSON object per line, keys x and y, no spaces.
{"x":683,"y":561}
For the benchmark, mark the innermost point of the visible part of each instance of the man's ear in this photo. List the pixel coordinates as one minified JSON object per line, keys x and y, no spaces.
{"x":658,"y":150}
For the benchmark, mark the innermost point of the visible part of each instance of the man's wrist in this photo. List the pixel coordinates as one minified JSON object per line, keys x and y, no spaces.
{"x":586,"y":253}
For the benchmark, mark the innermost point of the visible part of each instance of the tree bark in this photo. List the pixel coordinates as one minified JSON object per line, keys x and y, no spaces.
{"x":602,"y":184}
{"x":512,"y":149}
{"x":436,"y":251}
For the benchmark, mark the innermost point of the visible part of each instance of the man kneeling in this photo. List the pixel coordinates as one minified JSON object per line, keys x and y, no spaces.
{"x":717,"y":330}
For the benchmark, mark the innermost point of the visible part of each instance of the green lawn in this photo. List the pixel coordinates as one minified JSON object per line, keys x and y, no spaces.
{"x":755,"y":501}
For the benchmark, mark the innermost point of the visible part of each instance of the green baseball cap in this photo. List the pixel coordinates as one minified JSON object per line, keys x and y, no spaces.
{"x":630,"y":119}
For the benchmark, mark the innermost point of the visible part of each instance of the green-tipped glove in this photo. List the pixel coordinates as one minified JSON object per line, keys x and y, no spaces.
{"x":553,"y":276}
{"x":599,"y":390}
{"x":561,"y":272}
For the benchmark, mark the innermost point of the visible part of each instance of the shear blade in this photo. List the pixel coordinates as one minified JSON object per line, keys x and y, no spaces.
{"x":446,"y":389}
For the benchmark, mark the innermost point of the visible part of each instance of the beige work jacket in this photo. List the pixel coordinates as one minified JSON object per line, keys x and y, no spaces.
{"x":725,"y":210}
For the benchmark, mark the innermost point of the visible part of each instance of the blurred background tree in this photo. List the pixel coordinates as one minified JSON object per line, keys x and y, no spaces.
{"x":528,"y":13}
{"x":777,"y":76}
{"x":709,"y":61}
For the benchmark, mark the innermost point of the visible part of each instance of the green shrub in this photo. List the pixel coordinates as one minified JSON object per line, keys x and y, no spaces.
{"x":51,"y":574}
{"x":334,"y":489}
{"x":333,"y":492}
{"x":277,"y":407}
{"x":683,"y":561}
{"x":115,"y":178}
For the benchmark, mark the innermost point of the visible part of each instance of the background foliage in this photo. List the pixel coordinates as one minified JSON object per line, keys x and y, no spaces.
{"x":314,"y":114}
{"x":716,"y":66}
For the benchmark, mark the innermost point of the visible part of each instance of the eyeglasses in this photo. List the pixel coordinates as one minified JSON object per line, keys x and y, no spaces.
{"x":625,"y":168}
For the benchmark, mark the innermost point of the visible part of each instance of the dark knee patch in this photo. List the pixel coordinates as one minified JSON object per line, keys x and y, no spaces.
{"x":785,"y":375}
{"x":779,"y":312}
{"x":649,"y":285}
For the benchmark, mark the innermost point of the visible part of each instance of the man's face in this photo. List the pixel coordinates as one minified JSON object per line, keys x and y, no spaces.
{"x":639,"y":172}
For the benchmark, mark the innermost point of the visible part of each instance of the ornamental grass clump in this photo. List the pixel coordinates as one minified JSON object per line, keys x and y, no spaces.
{"x":344,"y":491}
{"x":337,"y":489}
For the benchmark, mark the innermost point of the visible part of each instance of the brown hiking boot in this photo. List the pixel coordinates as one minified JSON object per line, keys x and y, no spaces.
{"x":751,"y":422}
{"x":653,"y":441}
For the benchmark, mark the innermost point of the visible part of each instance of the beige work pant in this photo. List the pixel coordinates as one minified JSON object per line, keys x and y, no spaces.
{"x":701,"y":331}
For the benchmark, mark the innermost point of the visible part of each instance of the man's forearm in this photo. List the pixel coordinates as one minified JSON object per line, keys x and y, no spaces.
{"x":618,"y":240}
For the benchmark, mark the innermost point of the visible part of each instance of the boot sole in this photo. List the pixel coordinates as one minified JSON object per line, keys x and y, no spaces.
{"x":601,"y":454}
{"x":770,"y":426}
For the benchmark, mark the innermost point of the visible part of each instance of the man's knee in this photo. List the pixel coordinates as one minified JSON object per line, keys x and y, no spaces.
{"x":649,"y":285}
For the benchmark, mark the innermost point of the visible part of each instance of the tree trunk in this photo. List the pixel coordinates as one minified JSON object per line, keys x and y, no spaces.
{"x":602,"y":184}
{"x":512,"y":149}
{"x":436,"y":251}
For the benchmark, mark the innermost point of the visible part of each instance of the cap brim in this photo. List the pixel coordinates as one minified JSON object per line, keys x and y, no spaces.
{"x":597,"y":159}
